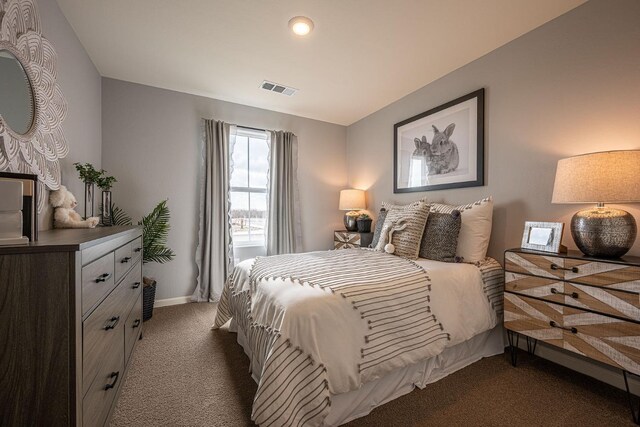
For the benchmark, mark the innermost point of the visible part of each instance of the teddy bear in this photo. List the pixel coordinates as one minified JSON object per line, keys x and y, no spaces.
{"x":65,"y":217}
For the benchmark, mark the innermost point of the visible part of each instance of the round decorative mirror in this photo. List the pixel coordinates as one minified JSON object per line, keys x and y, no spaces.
{"x":32,"y":107}
{"x":16,"y":94}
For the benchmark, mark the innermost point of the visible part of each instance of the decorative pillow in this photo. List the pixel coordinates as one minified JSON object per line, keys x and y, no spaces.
{"x":406,"y":241}
{"x":379,"y":223}
{"x":440,"y":238}
{"x":475,"y":230}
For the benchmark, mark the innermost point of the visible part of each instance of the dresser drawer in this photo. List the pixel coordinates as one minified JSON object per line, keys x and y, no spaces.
{"x":136,"y":249}
{"x":610,"y":275}
{"x":602,"y":300}
{"x":532,"y":317}
{"x":539,"y":287}
{"x":132,"y":285}
{"x":132,"y":328}
{"x":598,"y":337}
{"x":97,"y":281}
{"x":346,"y":237}
{"x":124,"y":260}
{"x":534,"y":264}
{"x":99,"y":398}
{"x":102,"y":333}
{"x":611,"y":341}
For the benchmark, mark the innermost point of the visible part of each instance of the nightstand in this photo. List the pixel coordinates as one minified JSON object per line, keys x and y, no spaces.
{"x":589,"y":306}
{"x":343,"y":239}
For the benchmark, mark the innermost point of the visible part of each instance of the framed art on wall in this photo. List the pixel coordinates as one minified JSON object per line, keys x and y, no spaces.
{"x":27,"y":207}
{"x":441,"y":148}
{"x":543,"y":236}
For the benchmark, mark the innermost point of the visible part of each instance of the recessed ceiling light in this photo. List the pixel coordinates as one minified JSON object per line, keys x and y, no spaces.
{"x":301,"y":25}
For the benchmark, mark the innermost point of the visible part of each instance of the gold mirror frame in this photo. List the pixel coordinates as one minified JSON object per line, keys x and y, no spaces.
{"x":39,"y":150}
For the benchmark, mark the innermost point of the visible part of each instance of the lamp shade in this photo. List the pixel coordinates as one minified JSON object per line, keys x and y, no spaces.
{"x":606,"y":177}
{"x":352,"y":200}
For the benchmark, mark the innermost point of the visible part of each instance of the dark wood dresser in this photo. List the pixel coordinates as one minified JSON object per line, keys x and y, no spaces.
{"x":588,"y":306}
{"x":70,"y":317}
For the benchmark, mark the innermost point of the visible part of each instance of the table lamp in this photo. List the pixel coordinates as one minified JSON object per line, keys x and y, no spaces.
{"x":351,"y":200}
{"x":605,"y":177}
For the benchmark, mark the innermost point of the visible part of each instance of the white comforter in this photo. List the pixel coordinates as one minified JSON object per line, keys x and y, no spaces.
{"x":458,"y":301}
{"x":330,"y":331}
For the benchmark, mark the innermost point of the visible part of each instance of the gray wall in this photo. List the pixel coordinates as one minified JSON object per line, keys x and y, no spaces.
{"x":572,"y":86}
{"x":152,"y":144}
{"x":81,"y":86}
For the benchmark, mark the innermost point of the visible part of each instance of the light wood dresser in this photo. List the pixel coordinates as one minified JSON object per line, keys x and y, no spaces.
{"x":70,"y":316}
{"x":587,"y":306}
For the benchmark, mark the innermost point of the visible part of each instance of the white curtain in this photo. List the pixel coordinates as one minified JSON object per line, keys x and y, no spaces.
{"x":214,"y":255}
{"x":284,"y":230}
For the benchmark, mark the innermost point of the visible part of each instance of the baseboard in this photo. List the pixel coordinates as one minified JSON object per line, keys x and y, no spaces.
{"x":172,"y":301}
{"x":605,"y":373}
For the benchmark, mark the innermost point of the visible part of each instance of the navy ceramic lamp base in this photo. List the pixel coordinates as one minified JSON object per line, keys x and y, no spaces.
{"x":604,"y":232}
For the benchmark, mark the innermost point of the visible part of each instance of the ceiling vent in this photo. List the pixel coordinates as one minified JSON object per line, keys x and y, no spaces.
{"x":278,"y":88}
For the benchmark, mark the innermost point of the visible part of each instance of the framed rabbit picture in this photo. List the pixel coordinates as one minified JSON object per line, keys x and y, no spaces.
{"x":441,"y":148}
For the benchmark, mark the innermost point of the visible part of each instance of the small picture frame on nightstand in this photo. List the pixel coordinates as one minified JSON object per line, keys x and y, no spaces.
{"x":543,"y":236}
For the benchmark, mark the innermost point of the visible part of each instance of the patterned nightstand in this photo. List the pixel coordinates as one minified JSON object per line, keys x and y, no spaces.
{"x":585,"y":305}
{"x":343,"y":239}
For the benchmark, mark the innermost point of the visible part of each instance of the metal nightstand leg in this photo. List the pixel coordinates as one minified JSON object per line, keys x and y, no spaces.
{"x":635,"y":413}
{"x":513,"y":349}
{"x":532,"y":343}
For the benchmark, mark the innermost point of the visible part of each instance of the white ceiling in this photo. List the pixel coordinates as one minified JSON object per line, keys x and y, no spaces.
{"x":361,"y":56}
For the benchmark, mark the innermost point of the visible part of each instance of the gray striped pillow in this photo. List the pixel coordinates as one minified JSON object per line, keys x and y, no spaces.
{"x":407,"y":241}
{"x":475,"y":230}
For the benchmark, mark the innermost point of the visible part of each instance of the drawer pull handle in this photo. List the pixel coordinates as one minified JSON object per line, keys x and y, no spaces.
{"x":137,"y":250}
{"x":573,"y":295}
{"x":111,"y":323}
{"x":136,"y":285}
{"x":555,"y":325}
{"x":557,"y":267}
{"x":112,"y":384}
{"x":103,"y":277}
{"x":125,"y":260}
{"x":136,"y":323}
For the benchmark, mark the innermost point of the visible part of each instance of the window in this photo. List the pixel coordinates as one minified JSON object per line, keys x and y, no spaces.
{"x":248,"y":194}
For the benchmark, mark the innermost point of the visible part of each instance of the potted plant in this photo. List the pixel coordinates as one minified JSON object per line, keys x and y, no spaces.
{"x":155,"y":230}
{"x":89,"y":175}
{"x":364,"y":223}
{"x":105,"y":183}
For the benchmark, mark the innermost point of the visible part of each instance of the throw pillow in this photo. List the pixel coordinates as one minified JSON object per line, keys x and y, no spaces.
{"x":379,"y":223}
{"x":406,"y":241}
{"x":475,"y":230}
{"x":440,"y":239}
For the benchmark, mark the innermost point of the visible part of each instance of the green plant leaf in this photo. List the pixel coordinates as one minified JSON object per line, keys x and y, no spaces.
{"x":118,"y":216}
{"x":155,"y":231}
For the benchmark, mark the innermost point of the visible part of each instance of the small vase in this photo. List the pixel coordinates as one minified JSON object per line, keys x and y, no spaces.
{"x":107,"y":214}
{"x":88,"y":199}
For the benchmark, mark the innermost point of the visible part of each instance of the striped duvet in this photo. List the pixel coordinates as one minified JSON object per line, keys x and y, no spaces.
{"x":324,"y":323}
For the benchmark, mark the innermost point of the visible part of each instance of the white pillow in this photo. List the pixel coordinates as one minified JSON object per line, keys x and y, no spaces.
{"x":475,"y":231}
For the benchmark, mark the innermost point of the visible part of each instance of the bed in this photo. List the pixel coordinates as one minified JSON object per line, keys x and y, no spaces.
{"x":331,"y":335}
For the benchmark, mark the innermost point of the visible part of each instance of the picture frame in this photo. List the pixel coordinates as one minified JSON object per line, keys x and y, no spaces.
{"x":442,"y":148}
{"x":543,"y":236}
{"x":29,"y":202}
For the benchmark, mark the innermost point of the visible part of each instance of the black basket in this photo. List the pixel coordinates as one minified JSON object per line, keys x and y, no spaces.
{"x":148,"y":299}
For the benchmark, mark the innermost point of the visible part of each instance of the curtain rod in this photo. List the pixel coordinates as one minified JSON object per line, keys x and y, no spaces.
{"x":250,"y":128}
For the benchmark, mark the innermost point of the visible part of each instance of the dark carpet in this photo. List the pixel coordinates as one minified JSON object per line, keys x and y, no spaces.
{"x":185,"y":374}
